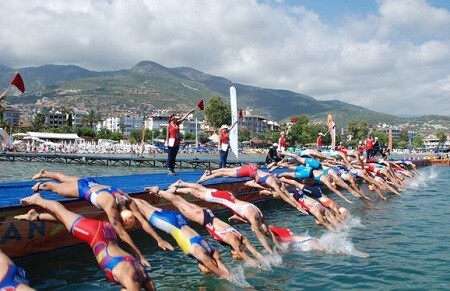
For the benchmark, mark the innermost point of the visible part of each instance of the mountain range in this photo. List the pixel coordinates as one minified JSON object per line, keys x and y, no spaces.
{"x":148,"y":86}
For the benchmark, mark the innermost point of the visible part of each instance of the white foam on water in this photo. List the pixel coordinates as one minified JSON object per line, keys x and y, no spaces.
{"x":304,"y":247}
{"x":265,"y":265}
{"x":275,"y":259}
{"x":422,"y":180}
{"x":350,"y":222}
{"x":339,"y":242}
{"x":238,"y":277}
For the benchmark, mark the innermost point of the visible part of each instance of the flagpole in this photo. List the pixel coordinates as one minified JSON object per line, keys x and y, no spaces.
{"x":143,"y":137}
{"x":3,"y":96}
{"x":196,"y":134}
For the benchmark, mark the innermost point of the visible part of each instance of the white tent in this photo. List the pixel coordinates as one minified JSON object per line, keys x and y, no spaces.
{"x":56,"y":136}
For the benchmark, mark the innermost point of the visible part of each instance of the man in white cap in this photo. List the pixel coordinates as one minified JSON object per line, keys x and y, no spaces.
{"x":224,"y":145}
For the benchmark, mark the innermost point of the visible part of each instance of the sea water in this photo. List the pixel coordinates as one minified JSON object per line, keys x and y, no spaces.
{"x":406,"y":238}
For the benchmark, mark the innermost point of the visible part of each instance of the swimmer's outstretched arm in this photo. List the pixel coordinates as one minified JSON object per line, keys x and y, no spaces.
{"x":253,"y":184}
{"x":148,"y":228}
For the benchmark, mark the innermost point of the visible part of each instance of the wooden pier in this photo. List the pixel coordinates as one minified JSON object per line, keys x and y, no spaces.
{"x":113,"y":160}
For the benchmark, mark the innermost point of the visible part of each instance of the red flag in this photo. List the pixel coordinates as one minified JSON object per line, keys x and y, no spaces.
{"x":240,"y":113}
{"x":18,"y":82}
{"x":200,"y":105}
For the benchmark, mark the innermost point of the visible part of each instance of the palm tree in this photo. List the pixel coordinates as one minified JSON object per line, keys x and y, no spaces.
{"x":91,"y":118}
{"x":69,"y":112}
{"x":38,"y":122}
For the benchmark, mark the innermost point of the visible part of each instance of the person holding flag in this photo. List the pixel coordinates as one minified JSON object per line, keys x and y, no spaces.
{"x":224,"y":142}
{"x":173,"y":137}
{"x":224,"y":145}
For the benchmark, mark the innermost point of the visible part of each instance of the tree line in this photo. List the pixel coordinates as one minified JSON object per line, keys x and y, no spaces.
{"x":217,"y":112}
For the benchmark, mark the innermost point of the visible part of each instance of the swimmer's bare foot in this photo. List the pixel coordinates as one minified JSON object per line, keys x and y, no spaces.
{"x":152,"y":190}
{"x":30,"y":200}
{"x":176,"y":184}
{"x":31,"y":215}
{"x":36,"y":186}
{"x":203,"y":177}
{"x":39,"y":175}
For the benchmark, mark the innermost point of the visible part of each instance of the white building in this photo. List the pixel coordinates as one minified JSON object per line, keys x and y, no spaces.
{"x":159,"y":121}
{"x":432,"y":142}
{"x":256,"y":123}
{"x":77,"y":117}
{"x":55,"y":118}
{"x":124,"y":124}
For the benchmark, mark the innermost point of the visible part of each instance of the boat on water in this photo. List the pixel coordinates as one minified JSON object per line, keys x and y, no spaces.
{"x":23,"y":238}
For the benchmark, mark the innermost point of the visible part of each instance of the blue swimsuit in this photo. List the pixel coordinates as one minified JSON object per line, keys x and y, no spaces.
{"x":303,"y":172}
{"x":171,"y":222}
{"x":13,"y":277}
{"x":84,"y":191}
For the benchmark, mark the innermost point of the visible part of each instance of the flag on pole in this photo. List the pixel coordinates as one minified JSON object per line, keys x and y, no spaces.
{"x":18,"y":82}
{"x":4,"y":138}
{"x":143,"y":138}
{"x":200,"y":105}
{"x":390,"y":144}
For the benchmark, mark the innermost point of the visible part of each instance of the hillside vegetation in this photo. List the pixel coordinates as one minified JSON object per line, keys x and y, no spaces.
{"x":148,"y":86}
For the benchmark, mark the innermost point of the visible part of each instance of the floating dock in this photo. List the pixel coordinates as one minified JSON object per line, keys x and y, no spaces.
{"x":22,"y":238}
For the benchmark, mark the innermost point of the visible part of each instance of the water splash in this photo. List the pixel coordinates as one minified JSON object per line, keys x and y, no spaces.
{"x":275,"y":259}
{"x":339,"y":242}
{"x":265,"y":265}
{"x":422,"y":180}
{"x":350,"y":222}
{"x":238,"y":277}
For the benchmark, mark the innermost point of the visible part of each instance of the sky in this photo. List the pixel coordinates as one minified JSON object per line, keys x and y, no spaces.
{"x":390,"y":56}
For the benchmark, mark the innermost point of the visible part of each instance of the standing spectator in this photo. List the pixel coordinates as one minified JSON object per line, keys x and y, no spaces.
{"x":173,"y":139}
{"x":224,"y":145}
{"x":369,"y":147}
{"x":319,"y":141}
{"x":282,"y":142}
{"x":376,"y":147}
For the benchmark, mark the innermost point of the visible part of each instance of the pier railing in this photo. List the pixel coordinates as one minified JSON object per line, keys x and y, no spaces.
{"x":107,"y":160}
